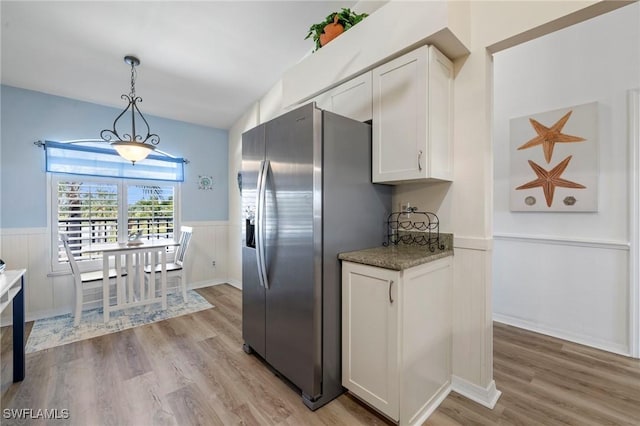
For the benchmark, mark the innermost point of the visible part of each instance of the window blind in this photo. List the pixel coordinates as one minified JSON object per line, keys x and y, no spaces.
{"x":87,"y":214}
{"x":150,"y":210}
{"x":89,"y":160}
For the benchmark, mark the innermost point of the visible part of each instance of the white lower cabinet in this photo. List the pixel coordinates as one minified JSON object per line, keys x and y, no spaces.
{"x":396,"y":337}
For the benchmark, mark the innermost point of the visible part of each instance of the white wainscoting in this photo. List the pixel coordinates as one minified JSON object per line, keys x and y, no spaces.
{"x":576,"y":290}
{"x":29,"y":248}
{"x":209,"y":243}
{"x":472,"y":321}
{"x":48,"y":295}
{"x":234,"y":277}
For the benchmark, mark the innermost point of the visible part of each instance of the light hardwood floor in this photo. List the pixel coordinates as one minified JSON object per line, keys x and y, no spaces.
{"x":191,"y":370}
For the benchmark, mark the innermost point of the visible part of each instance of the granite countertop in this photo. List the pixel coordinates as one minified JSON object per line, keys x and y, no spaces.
{"x":400,"y":257}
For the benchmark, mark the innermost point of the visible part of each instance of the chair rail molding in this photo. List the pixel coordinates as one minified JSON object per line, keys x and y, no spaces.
{"x":563,"y":241}
{"x":472,"y":243}
{"x":23,"y":231}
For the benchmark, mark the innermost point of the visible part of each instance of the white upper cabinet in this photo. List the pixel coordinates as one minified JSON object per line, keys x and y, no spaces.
{"x":412,"y":118}
{"x":351,"y":99}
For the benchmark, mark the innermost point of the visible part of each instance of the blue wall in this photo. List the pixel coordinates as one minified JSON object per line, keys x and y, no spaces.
{"x":27,"y":116}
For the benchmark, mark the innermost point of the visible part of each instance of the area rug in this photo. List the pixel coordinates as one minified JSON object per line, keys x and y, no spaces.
{"x":57,"y":331}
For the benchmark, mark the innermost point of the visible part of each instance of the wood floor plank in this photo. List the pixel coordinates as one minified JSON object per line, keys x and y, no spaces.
{"x":107,"y":383}
{"x":191,"y":370}
{"x":257,"y":383}
{"x":576,"y":364}
{"x":190,"y":404}
{"x":249,"y":415}
{"x":85,"y":389}
{"x":131,"y":357}
{"x":440,"y":419}
{"x":146,"y":402}
{"x":587,"y":380}
{"x":168,"y":368}
{"x":560,"y":404}
{"x":467,"y":412}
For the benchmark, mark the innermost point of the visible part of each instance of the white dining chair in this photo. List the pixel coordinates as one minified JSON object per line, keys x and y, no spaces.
{"x":176,"y":270}
{"x":84,"y":280}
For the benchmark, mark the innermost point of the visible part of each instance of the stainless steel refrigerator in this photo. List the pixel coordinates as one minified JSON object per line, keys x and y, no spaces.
{"x":307,"y":196}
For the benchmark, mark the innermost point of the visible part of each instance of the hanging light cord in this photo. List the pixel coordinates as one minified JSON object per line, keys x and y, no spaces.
{"x":132,"y":94}
{"x":133,"y":100}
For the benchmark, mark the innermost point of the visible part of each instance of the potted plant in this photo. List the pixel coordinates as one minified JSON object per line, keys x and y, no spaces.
{"x":333,"y":25}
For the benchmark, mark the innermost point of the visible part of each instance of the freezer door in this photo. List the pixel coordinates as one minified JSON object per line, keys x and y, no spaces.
{"x":293,"y":248}
{"x":253,"y":293}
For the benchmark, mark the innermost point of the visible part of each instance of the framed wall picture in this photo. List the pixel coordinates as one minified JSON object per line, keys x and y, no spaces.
{"x":554,"y":160}
{"x":205,"y":182}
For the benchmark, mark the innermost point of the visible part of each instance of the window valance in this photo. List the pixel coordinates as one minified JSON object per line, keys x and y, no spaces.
{"x":93,"y":160}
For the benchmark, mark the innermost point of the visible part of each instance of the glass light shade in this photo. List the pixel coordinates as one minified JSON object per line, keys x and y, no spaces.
{"x":133,"y":151}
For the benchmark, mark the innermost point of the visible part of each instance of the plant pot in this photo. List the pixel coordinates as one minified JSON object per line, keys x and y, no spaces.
{"x":331,"y":31}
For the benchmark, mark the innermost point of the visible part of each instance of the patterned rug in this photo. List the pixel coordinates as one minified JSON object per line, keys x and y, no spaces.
{"x":57,"y":331}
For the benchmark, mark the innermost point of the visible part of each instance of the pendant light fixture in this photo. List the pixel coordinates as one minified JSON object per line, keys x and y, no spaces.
{"x":131,"y":146}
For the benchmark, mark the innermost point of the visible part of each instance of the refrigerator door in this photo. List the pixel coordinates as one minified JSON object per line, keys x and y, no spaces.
{"x":253,"y":293}
{"x":293,"y":248}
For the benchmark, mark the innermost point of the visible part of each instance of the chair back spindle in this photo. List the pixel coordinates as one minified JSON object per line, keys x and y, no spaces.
{"x":72,"y":260}
{"x":185,"y":239}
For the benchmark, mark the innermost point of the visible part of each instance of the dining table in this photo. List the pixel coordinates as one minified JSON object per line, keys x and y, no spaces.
{"x":129,"y":261}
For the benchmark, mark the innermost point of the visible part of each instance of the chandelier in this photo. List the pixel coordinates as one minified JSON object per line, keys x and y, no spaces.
{"x":131,"y":146}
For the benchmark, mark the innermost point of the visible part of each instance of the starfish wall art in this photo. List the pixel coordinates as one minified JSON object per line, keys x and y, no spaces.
{"x":554,"y":160}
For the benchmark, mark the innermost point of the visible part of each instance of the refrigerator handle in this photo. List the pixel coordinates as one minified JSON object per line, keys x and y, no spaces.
{"x":260,"y":224}
{"x":258,"y":219}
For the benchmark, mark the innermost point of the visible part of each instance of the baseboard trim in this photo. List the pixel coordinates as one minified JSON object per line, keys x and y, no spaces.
{"x":38,"y":315}
{"x":427,"y":410}
{"x":235,"y":283}
{"x":207,"y":283}
{"x":487,"y":397}
{"x":561,"y":334}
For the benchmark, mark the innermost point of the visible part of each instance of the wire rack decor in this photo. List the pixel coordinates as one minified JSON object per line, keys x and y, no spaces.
{"x":414,"y":227}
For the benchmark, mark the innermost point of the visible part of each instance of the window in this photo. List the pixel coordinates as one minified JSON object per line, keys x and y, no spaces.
{"x":87,"y":212}
{"x":91,"y":211}
{"x":150,"y":210}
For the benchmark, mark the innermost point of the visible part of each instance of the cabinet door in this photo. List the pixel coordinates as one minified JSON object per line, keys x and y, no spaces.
{"x":399,"y":118}
{"x":350,"y":99}
{"x":370,"y":298}
{"x":426,"y":335}
{"x":412,"y":118}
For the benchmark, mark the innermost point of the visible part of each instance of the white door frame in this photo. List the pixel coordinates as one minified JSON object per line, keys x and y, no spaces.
{"x":634,"y":222}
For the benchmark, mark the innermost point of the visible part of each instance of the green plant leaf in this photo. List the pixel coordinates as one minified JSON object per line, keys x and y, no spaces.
{"x":346,"y":17}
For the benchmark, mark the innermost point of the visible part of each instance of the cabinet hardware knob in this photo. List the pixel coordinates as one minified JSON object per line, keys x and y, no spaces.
{"x":390,"y":285}
{"x":419,"y":158}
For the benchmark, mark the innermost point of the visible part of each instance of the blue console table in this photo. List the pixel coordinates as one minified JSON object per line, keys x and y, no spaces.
{"x":12,"y":291}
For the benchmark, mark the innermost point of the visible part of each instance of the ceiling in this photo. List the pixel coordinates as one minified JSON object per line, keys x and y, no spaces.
{"x":202,"y":62}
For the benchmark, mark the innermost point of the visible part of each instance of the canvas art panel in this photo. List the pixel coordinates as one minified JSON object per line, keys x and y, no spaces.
{"x":554,"y":160}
